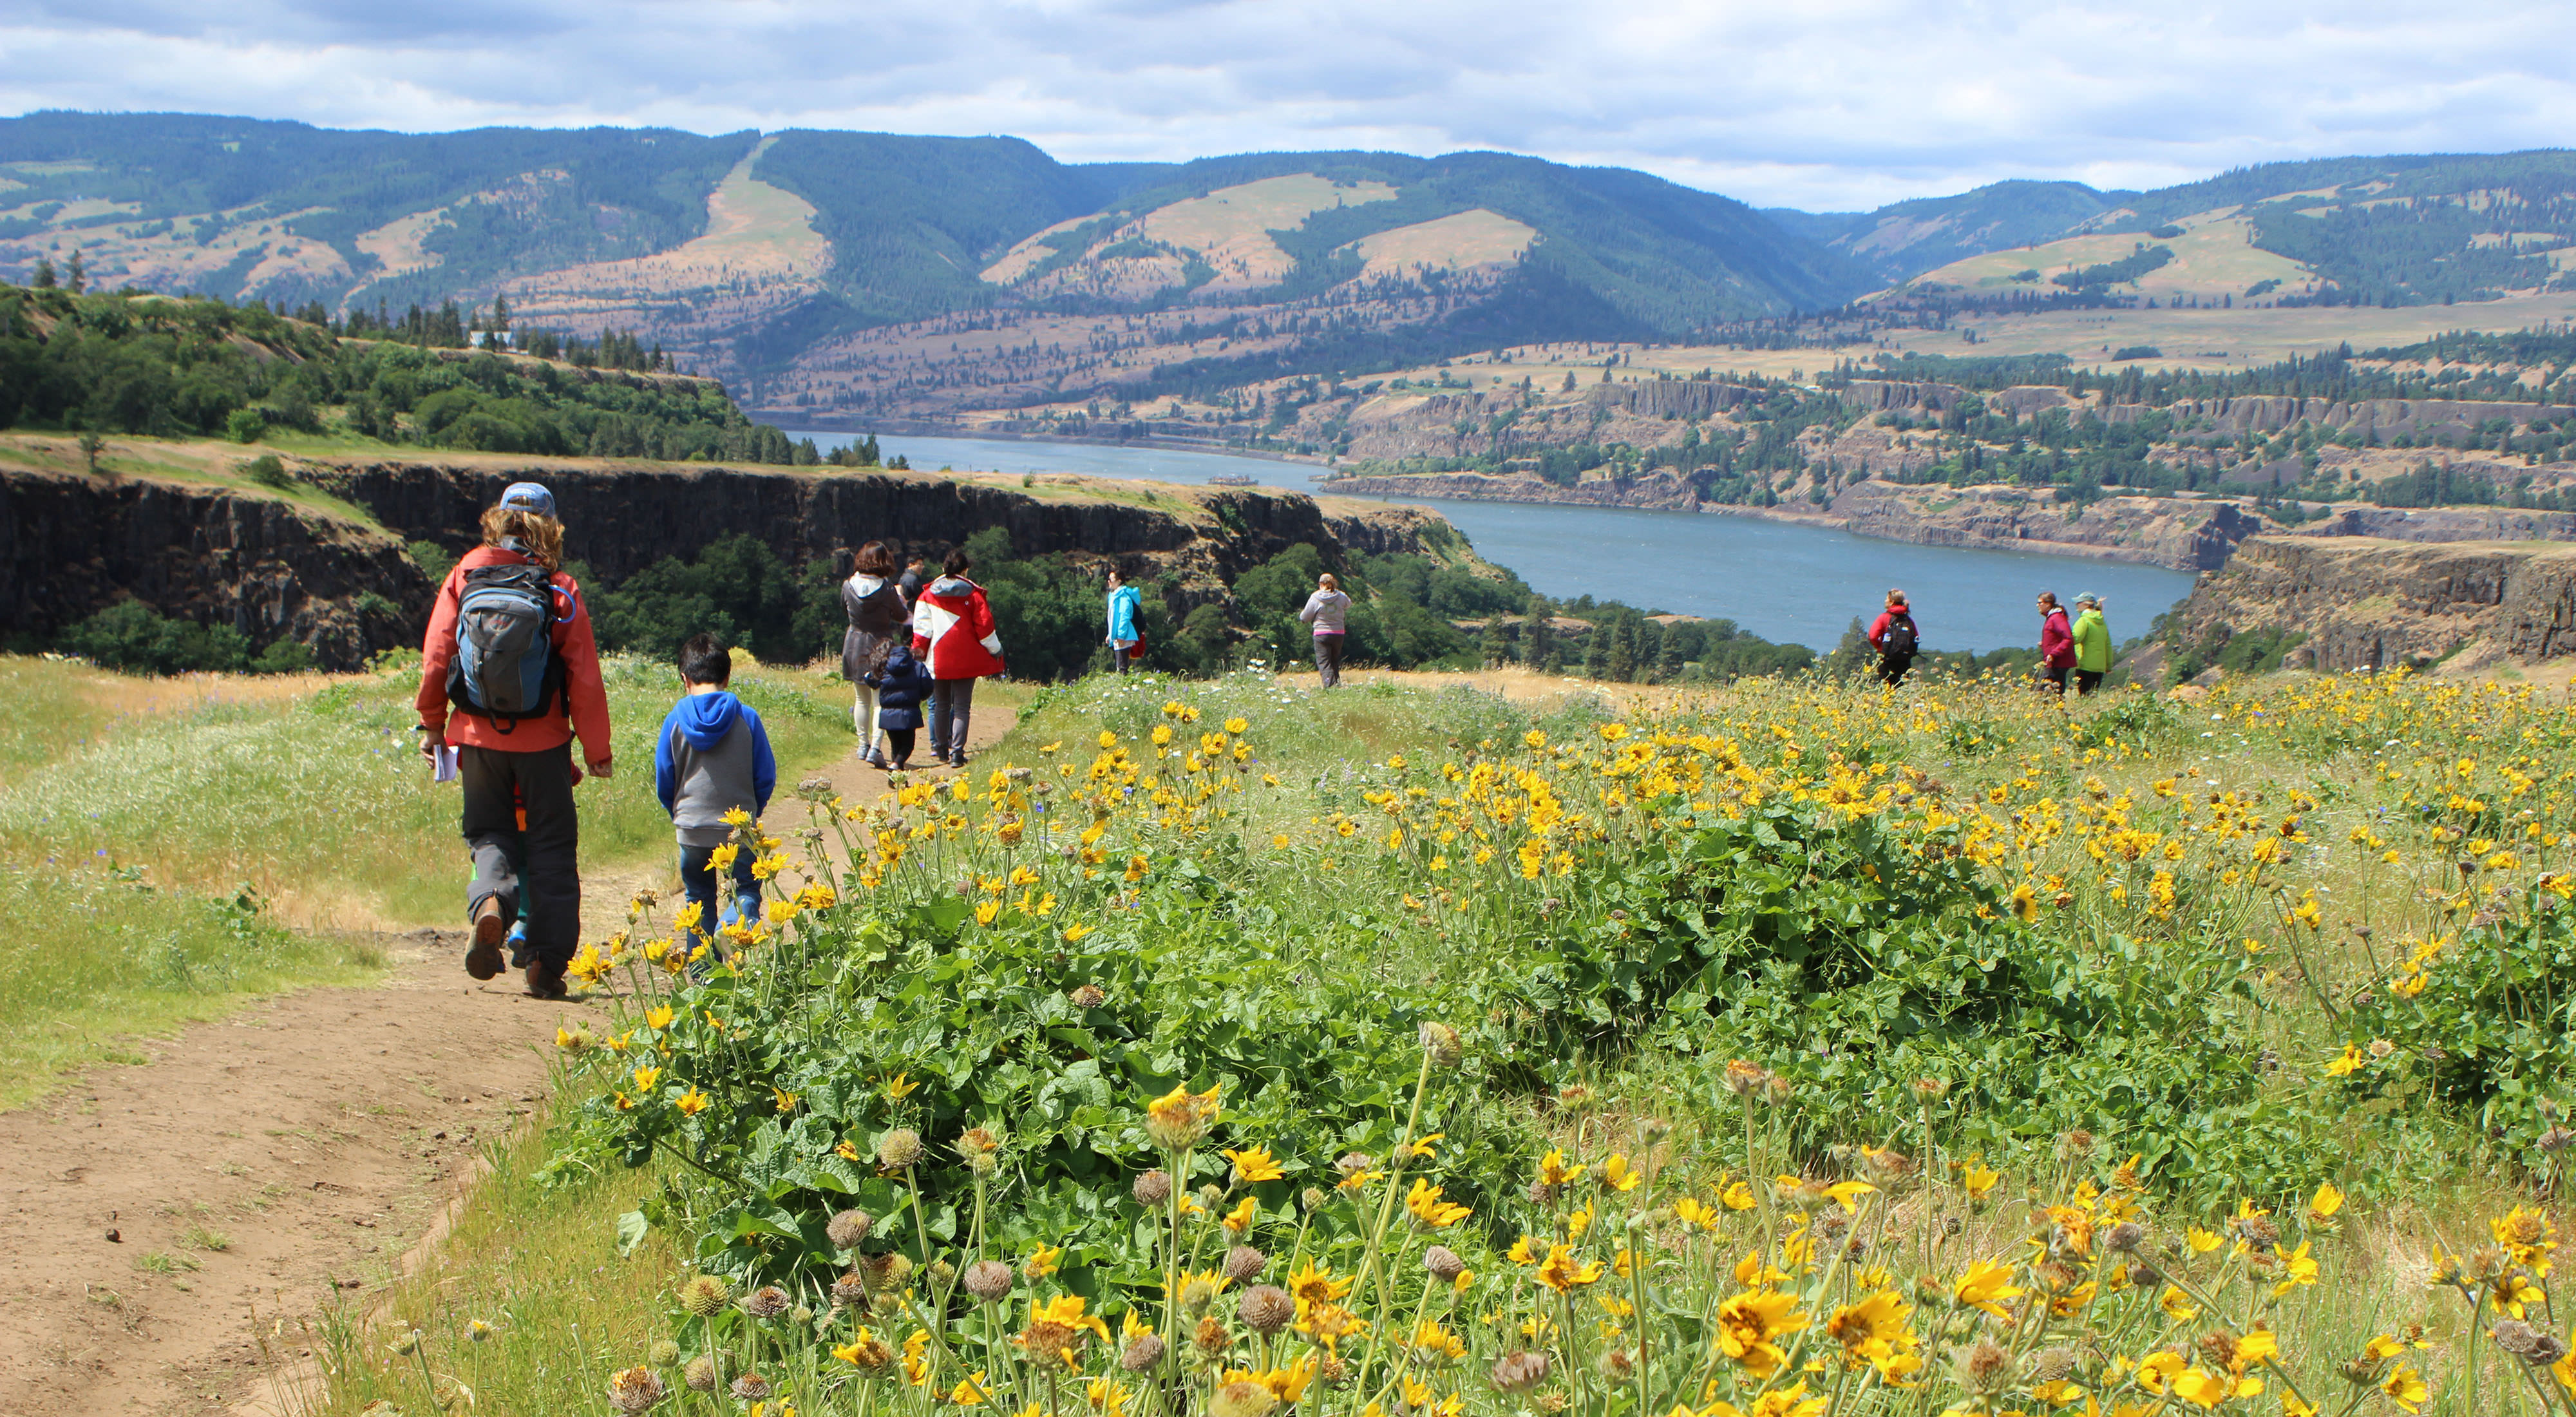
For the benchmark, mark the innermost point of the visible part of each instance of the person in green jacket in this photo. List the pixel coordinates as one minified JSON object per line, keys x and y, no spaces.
{"x":2092,"y":644}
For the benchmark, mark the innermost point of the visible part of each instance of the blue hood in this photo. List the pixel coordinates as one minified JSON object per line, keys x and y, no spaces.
{"x":705,"y":719}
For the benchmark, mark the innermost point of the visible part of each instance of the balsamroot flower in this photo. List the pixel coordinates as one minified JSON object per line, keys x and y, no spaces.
{"x":900,"y":1149}
{"x":1244,"y":1262}
{"x":1243,"y":1397}
{"x":1153,"y":1188}
{"x":766,"y":1302}
{"x":1180,"y":1118}
{"x":750,"y":1387}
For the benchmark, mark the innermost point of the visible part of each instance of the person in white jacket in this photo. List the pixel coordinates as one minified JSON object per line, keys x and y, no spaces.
{"x":1328,"y":610}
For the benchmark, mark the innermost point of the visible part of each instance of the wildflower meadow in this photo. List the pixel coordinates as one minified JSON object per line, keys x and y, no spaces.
{"x":1790,"y":1050}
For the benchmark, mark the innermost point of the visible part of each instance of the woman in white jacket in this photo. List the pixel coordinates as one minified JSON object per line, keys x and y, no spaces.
{"x":877,"y":620}
{"x":1328,"y":610}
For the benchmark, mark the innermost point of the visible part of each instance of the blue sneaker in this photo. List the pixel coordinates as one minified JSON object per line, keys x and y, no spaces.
{"x":518,"y":942}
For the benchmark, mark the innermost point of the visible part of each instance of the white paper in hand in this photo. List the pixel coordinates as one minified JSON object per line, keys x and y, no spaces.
{"x":445,"y":768}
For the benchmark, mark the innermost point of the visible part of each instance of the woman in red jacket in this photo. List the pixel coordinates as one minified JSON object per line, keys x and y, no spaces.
{"x":953,"y":634}
{"x":2056,"y":643}
{"x":510,"y":647}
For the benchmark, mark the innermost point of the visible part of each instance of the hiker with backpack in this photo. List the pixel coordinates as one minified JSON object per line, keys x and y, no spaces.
{"x":878,"y":616}
{"x":510,"y":651}
{"x":1896,"y":639}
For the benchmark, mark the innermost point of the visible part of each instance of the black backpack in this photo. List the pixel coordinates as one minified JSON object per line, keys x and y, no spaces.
{"x":1898,"y":642}
{"x":506,"y":668}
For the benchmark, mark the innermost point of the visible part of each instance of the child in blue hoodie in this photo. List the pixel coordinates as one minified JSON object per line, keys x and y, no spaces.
{"x":713,"y":757}
{"x":901,"y":682}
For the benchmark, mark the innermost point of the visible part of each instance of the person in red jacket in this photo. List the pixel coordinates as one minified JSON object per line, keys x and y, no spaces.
{"x":2056,"y":643}
{"x":1896,"y":639}
{"x":953,"y":634}
{"x":513,"y":731}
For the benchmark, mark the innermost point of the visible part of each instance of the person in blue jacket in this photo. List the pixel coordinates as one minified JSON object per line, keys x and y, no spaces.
{"x":1124,"y":642}
{"x":712,"y":758}
{"x":902,"y":683}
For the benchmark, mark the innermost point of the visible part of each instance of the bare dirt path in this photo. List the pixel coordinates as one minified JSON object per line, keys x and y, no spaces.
{"x":250,"y":1167}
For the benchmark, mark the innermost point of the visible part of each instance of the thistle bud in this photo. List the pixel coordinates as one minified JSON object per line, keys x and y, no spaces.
{"x":1267,"y":1308}
{"x":1519,"y":1372}
{"x":988,"y":1280}
{"x":1441,"y":1042}
{"x":704,"y":1294}
{"x":849,"y":1228}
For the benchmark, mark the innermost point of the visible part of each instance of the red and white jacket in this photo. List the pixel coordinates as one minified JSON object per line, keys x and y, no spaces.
{"x":952,"y":630}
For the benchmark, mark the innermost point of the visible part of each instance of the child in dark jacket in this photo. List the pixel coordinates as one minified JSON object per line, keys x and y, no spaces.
{"x":712,"y":759}
{"x":902,"y":682}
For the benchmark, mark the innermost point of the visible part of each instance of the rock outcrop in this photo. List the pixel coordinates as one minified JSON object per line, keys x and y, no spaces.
{"x":2369,"y":603}
{"x":72,"y":545}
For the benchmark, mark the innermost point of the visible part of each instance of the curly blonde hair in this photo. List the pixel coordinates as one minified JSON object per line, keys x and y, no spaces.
{"x":539,"y":535}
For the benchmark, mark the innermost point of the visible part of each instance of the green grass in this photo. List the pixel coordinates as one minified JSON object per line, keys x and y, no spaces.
{"x":118,"y":960}
{"x":320,"y":803}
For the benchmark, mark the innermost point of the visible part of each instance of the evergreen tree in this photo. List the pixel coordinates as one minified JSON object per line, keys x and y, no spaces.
{"x":44,"y":274}
{"x":1619,"y":662}
{"x":79,"y":276}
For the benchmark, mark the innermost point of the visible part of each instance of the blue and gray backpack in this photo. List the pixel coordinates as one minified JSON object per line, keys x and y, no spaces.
{"x":506,"y":667}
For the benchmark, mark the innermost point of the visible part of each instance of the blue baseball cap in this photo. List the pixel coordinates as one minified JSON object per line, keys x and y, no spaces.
{"x":530,"y":497}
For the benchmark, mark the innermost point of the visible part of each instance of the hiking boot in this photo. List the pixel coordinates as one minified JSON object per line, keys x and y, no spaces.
{"x":545,"y":982}
{"x":483,"y":957}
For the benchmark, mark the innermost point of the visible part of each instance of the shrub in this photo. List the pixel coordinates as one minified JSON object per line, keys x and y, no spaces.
{"x":268,"y":470}
{"x":132,"y":635}
{"x":244,"y":425}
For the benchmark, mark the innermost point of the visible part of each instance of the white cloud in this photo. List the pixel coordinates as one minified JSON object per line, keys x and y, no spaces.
{"x":1837,"y":104}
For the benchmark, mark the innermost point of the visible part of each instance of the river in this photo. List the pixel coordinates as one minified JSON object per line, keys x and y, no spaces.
{"x":1781,"y":581}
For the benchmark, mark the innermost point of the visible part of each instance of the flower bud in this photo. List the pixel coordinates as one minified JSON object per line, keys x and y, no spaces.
{"x":704,"y":1294}
{"x":1519,"y":1372}
{"x":1144,"y":1353}
{"x":899,"y":1149}
{"x":766,"y":1302}
{"x":700,"y":1375}
{"x":1153,"y":1188}
{"x":1243,"y":1262}
{"x":1441,"y":1042}
{"x":1443,"y":1263}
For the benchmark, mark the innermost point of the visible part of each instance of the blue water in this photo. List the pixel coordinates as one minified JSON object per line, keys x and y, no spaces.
{"x":1784,"y":582}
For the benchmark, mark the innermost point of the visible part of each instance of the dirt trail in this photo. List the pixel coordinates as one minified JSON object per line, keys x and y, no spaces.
{"x":314,"y":1137}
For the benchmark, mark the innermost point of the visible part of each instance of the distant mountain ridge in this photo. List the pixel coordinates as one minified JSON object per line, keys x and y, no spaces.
{"x":862,"y":271}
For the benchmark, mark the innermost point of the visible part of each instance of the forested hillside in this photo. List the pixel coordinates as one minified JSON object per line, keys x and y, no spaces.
{"x":149,"y":364}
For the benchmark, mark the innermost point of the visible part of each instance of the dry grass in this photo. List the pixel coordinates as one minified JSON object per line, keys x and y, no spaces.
{"x":1455,"y":242}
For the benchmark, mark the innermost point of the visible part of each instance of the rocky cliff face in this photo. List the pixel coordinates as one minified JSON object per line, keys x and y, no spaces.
{"x":70,"y":546}
{"x":2369,"y":603}
{"x":622,"y":518}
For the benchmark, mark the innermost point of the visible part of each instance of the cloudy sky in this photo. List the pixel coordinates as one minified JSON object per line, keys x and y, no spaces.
{"x":1822,"y":104}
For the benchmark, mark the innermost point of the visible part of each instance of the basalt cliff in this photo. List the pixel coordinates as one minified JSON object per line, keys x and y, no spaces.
{"x":2370,"y":603}
{"x":326,"y":560}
